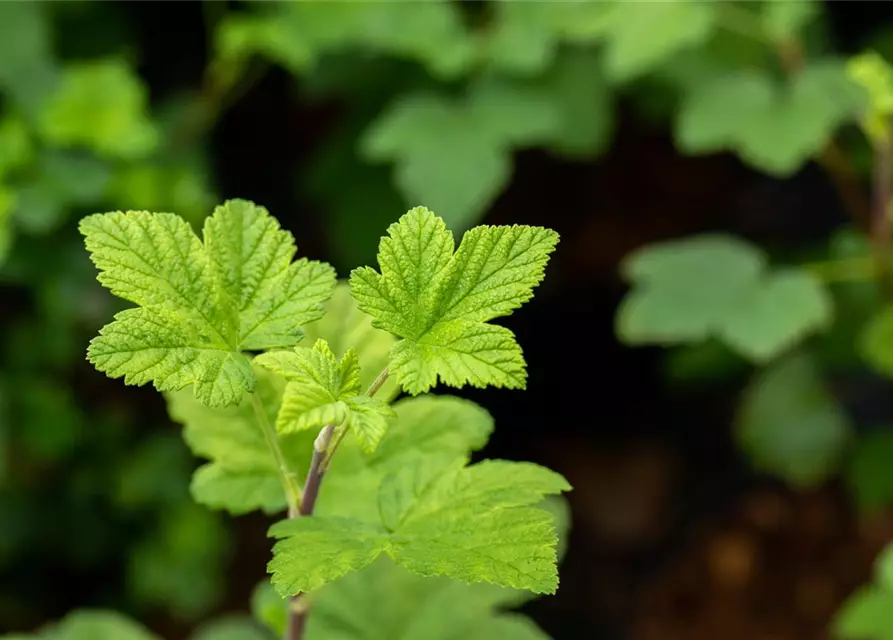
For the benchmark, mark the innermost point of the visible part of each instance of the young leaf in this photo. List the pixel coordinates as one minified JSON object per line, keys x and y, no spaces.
{"x":470,"y":523}
{"x":790,"y":425}
{"x":321,"y":390}
{"x":200,"y":305}
{"x":344,"y":326}
{"x":439,"y":302}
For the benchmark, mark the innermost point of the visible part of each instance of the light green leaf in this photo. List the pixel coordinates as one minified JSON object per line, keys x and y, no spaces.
{"x":872,"y":72}
{"x":237,"y":491}
{"x":866,"y":615}
{"x":470,"y":523}
{"x":869,"y":474}
{"x":200,"y":305}
{"x":321,"y":390}
{"x":242,"y":475}
{"x":434,"y":608}
{"x":774,"y":127}
{"x":27,"y":69}
{"x":786,"y":19}
{"x":685,"y":288}
{"x":523,"y":39}
{"x":641,"y":36}
{"x":344,"y":326}
{"x":313,"y":551}
{"x":876,"y":342}
{"x":456,"y":155}
{"x":432,"y":429}
{"x":101,"y":105}
{"x":790,"y":425}
{"x":883,"y":566}
{"x":790,"y":305}
{"x":438,"y":301}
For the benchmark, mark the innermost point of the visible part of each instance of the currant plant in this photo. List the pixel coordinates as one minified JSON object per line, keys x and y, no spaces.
{"x":283,"y":378}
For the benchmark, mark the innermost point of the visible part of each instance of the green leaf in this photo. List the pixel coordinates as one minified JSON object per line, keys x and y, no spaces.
{"x":883,"y":566}
{"x":438,"y":301}
{"x":456,"y":155}
{"x":431,"y":429}
{"x":95,"y":624}
{"x":789,"y":306}
{"x":200,"y":305}
{"x":433,"y":608}
{"x":26,"y":54}
{"x":685,"y":288}
{"x":523,"y":39}
{"x":313,"y":551}
{"x":321,"y":390}
{"x":344,"y":326}
{"x":873,"y":73}
{"x":639,"y":37}
{"x":242,"y":475}
{"x":786,"y":19}
{"x":101,"y":105}
{"x":866,"y":615}
{"x":868,"y":472}
{"x":876,"y":342}
{"x":776,"y":128}
{"x":790,"y":425}
{"x":705,"y":287}
{"x":231,"y":628}
{"x":470,"y":523}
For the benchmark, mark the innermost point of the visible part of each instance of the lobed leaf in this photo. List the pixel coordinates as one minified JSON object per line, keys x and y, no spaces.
{"x":201,"y":304}
{"x":438,"y":301}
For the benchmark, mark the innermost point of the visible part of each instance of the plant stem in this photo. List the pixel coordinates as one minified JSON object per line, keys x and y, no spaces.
{"x":378,"y":382}
{"x":289,"y":481}
{"x":298,"y":609}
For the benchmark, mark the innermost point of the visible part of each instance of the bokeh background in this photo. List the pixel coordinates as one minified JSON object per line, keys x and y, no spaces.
{"x":338,"y":117}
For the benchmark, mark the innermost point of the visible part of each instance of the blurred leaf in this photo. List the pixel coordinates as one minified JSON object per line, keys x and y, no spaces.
{"x":155,"y":474}
{"x":776,"y":129}
{"x":876,"y":342}
{"x":875,"y":75}
{"x":8,"y":199}
{"x":102,"y":105}
{"x":90,"y":624}
{"x":456,"y":156}
{"x":16,"y":146}
{"x":790,"y":305}
{"x":50,"y":422}
{"x":297,"y":34}
{"x":435,"y":608}
{"x":181,"y":566}
{"x":523,"y":39}
{"x":869,"y":474}
{"x":883,"y":568}
{"x":639,"y":39}
{"x":865,"y":615}
{"x":172,"y":186}
{"x":584,"y":101}
{"x":790,"y":426}
{"x":26,"y":64}
{"x":269,"y":608}
{"x":231,"y":628}
{"x":785,"y":19}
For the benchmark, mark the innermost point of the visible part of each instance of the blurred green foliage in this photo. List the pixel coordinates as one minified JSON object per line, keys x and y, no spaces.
{"x":435,"y":100}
